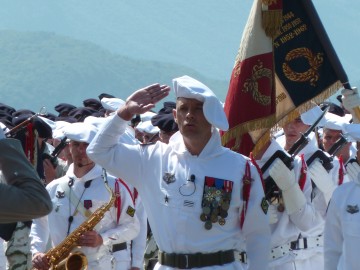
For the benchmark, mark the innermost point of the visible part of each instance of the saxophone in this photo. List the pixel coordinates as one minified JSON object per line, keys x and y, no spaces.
{"x":60,"y":257}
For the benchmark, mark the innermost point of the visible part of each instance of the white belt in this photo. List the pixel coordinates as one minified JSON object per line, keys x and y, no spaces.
{"x":280,"y":251}
{"x":301,"y":243}
{"x":308,"y":242}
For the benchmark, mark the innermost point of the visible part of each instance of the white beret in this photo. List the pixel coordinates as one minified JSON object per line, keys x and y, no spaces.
{"x":147,"y":127}
{"x":147,"y":116}
{"x":112,"y":104}
{"x":188,"y":87}
{"x":333,"y":121}
{"x":309,"y":117}
{"x":80,"y":132}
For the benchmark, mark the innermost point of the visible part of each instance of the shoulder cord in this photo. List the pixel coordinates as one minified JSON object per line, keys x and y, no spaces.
{"x":341,"y":170}
{"x":246,"y":192}
{"x":303,"y":173}
{"x":253,"y":161}
{"x":118,"y":197}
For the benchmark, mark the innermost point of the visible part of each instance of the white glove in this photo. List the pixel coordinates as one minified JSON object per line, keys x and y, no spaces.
{"x":322,"y":179}
{"x":273,"y":214}
{"x":2,"y":134}
{"x":353,"y":169}
{"x":351,"y":100}
{"x":294,"y":198}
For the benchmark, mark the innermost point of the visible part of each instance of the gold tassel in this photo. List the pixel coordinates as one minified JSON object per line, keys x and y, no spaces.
{"x":271,"y":19}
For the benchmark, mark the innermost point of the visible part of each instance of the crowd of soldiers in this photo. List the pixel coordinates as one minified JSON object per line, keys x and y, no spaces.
{"x":131,"y":188}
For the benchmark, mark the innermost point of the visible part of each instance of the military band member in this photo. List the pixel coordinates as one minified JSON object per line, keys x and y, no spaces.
{"x":191,"y":187}
{"x":75,"y":197}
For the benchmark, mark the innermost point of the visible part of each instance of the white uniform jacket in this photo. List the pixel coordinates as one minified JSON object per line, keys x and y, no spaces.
{"x":288,"y":227}
{"x":342,"y":229}
{"x":56,"y":223}
{"x":160,"y":172}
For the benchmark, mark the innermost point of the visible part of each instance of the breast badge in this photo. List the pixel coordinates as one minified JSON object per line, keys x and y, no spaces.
{"x":352,"y":209}
{"x":169,"y":178}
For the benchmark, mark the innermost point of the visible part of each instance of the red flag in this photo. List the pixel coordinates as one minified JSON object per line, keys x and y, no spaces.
{"x":250,"y":101}
{"x":285,"y":64}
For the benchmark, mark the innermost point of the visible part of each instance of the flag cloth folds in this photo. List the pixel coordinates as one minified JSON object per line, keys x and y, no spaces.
{"x":283,"y":67}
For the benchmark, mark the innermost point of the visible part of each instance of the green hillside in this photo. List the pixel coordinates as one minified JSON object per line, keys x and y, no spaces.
{"x":43,"y":69}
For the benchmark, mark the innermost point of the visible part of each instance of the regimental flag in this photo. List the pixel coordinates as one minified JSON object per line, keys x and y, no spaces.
{"x":285,"y":64}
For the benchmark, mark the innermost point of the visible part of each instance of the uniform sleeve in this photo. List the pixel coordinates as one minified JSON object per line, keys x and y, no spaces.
{"x":128,"y":226}
{"x":39,"y":235}
{"x":25,"y":197}
{"x":106,"y":151}
{"x":256,"y":229}
{"x":308,"y":216}
{"x":333,"y":240}
{"x":139,"y":243}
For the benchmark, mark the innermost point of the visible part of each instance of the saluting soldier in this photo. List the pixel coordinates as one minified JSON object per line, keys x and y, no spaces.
{"x":192,"y":187}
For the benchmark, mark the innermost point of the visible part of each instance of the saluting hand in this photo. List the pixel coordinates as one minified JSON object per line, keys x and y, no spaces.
{"x":143,"y":100}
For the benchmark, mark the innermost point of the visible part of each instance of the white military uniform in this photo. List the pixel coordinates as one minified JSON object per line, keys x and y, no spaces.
{"x":289,"y":227}
{"x":342,"y":228}
{"x":56,"y":223}
{"x":161,"y":171}
{"x":314,"y":236}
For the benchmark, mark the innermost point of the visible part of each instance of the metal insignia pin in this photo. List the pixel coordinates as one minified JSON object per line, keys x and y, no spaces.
{"x":169,"y":178}
{"x":352,"y":209}
{"x":60,"y":194}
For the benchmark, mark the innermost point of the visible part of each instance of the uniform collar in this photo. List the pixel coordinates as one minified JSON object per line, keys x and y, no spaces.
{"x":211,"y":149}
{"x":92,"y":174}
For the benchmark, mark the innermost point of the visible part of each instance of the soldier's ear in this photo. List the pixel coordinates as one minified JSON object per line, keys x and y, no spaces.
{"x":174,"y":114}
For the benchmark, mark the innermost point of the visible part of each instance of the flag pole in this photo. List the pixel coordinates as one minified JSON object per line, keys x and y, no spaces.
{"x":328,"y":48}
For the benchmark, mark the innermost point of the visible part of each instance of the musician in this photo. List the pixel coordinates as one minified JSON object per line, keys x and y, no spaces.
{"x":191,"y":187}
{"x":75,"y":197}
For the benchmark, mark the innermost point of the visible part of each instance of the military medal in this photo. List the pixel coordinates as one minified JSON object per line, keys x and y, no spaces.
{"x":208,"y":225}
{"x":216,"y":201}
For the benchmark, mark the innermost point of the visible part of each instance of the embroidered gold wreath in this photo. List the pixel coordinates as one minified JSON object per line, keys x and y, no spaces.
{"x":251,"y":84}
{"x":314,"y":60}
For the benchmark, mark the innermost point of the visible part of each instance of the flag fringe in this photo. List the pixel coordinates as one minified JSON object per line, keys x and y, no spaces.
{"x":271,"y":22}
{"x":295,"y":113}
{"x":239,"y":130}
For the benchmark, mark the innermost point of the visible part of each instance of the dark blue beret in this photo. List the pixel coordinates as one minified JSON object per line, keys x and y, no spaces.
{"x":104,"y":95}
{"x":92,"y":103}
{"x":43,"y":129}
{"x":64,"y":107}
{"x":164,"y":120}
{"x":22,"y":111}
{"x":6,"y":122}
{"x":81,"y":113}
{"x":68,"y":119}
{"x":6,"y":108}
{"x":333,"y":108}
